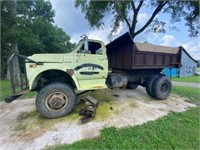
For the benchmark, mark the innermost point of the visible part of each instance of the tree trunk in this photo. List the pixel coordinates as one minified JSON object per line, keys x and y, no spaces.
{"x":15,"y":64}
{"x":14,"y":46}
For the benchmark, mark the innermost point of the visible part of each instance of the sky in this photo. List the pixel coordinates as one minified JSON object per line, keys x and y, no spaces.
{"x":73,"y":22}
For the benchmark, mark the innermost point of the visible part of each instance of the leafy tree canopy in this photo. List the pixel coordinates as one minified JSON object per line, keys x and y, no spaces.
{"x":33,"y":30}
{"x":126,"y":11}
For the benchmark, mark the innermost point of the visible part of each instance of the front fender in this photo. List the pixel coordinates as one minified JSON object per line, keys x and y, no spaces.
{"x":41,"y":69}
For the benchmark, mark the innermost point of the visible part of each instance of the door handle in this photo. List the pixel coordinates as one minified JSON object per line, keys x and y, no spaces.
{"x":101,"y":58}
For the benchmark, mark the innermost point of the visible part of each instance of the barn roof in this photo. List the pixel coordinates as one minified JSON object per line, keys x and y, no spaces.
{"x":182,"y":48}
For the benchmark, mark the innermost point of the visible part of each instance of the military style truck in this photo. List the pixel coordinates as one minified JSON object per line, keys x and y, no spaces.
{"x":90,"y":66}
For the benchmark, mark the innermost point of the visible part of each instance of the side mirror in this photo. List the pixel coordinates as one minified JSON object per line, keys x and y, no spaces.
{"x":86,"y":43}
{"x":85,"y":39}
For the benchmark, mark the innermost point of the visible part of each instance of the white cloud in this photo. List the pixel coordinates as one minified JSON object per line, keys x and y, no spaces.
{"x":101,"y":34}
{"x":74,"y":23}
{"x":193,"y":49}
{"x":142,"y":17}
{"x":191,"y":46}
{"x":70,"y":19}
{"x":93,"y":34}
{"x":168,"y":40}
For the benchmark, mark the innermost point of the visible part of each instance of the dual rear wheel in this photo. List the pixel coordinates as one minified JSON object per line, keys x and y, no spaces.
{"x":159,"y":87}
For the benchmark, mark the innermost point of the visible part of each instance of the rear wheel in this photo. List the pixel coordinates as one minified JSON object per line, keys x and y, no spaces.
{"x":149,"y":85}
{"x":55,"y":100}
{"x":161,"y":87}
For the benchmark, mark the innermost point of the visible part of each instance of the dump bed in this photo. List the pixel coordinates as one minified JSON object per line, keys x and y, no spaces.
{"x":123,"y":53}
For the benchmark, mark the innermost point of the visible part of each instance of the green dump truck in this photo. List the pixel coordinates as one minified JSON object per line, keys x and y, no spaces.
{"x":93,"y":65}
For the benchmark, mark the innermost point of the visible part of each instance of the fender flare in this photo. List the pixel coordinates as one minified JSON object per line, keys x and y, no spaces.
{"x":35,"y":77}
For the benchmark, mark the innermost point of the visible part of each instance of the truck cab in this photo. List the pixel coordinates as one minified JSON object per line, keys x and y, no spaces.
{"x":86,"y":64}
{"x":90,"y":64}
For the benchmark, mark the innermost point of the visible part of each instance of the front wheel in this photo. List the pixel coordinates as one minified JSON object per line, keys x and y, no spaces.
{"x":55,"y":100}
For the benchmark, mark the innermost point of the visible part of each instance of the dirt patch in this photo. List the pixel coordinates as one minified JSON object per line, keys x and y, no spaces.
{"x":22,"y":127}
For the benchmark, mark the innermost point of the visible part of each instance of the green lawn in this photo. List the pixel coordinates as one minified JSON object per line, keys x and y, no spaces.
{"x":192,"y":94}
{"x":175,"y":131}
{"x":5,"y":90}
{"x":198,"y":69}
{"x":195,"y":79}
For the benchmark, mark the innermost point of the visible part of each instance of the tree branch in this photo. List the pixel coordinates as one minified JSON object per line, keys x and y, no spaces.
{"x":134,"y":21}
{"x":123,"y":15}
{"x":140,"y":5}
{"x":133,"y":6}
{"x":127,"y":22}
{"x":156,"y":11}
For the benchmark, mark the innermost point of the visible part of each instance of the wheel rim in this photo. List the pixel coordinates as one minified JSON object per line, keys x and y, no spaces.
{"x":56,"y":101}
{"x":164,"y":88}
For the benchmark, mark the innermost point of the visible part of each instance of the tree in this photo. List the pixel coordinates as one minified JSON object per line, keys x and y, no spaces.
{"x":126,"y":11}
{"x":45,"y":38}
{"x":13,"y":40}
{"x":33,"y":31}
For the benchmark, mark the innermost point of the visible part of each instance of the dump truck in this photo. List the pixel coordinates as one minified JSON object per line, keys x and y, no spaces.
{"x":93,"y":65}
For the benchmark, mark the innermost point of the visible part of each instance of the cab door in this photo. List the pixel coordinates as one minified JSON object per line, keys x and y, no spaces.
{"x":91,"y":66}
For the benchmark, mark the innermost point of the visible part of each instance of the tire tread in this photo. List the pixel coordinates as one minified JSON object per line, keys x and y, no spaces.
{"x":156,"y":90}
{"x":40,"y":101}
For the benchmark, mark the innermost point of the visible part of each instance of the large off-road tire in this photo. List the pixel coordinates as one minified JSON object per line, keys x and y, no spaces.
{"x":55,"y":100}
{"x":149,"y":85}
{"x":161,"y":87}
{"x":132,"y":85}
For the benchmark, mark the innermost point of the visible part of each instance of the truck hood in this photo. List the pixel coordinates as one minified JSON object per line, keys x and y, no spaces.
{"x":49,"y":58}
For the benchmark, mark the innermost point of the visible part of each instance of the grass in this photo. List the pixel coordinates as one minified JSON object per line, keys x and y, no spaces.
{"x":192,"y":94}
{"x":6,"y":91}
{"x":175,"y":131}
{"x":198,"y":69}
{"x":195,"y":79}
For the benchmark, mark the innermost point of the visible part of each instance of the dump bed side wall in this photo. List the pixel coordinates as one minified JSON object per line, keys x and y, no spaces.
{"x":121,"y":57}
{"x":123,"y":53}
{"x":142,"y":59}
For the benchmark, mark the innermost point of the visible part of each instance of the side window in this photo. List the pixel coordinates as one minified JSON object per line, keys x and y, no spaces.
{"x":93,"y":48}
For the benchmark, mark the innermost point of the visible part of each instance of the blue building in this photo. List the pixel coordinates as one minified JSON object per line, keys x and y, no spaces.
{"x":173,"y":72}
{"x":188,"y":66}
